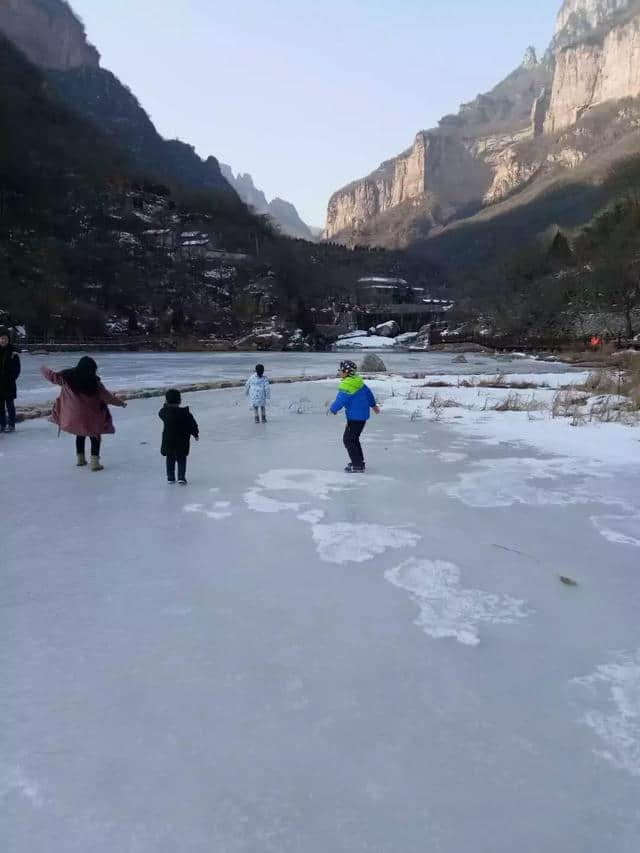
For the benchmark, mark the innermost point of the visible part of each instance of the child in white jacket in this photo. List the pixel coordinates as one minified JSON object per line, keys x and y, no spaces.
{"x":258,"y":391}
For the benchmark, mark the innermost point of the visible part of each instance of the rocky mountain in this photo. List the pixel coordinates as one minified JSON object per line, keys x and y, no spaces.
{"x":54,"y":39}
{"x":106,"y":228}
{"x":532,"y":127}
{"x":578,"y":20}
{"x":597,"y":58}
{"x":283,"y":213}
{"x":98,"y":95}
{"x":48,"y":32}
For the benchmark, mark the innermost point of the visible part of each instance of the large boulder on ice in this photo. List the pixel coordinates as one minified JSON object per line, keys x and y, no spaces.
{"x":390,"y":329}
{"x":372,"y":363}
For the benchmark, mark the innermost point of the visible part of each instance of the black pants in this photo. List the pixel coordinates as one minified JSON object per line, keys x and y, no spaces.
{"x":260,"y":410}
{"x":181,"y":462}
{"x":95,"y":444}
{"x":10,"y":411}
{"x":351,"y":441}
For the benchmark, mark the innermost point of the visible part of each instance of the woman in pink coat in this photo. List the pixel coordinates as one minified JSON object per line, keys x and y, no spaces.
{"x":83,"y":407}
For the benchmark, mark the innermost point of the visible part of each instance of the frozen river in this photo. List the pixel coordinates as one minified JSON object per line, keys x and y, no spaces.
{"x":129,"y":371}
{"x":280,"y":658}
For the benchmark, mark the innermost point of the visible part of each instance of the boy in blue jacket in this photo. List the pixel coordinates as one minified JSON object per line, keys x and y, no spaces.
{"x":357,"y":400}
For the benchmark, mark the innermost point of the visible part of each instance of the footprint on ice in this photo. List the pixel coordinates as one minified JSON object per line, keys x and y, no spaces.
{"x":618,"y":529}
{"x":217,"y":512}
{"x":257,"y":501}
{"x":318,"y":484}
{"x":356,"y":543}
{"x":446,"y":608}
{"x":610,"y":699}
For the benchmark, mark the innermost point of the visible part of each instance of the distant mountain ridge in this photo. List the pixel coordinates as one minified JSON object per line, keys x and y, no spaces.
{"x":283,"y":213}
{"x":532,"y":127}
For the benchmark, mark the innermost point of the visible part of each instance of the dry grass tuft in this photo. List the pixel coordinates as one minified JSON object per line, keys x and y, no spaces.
{"x":517,"y":403}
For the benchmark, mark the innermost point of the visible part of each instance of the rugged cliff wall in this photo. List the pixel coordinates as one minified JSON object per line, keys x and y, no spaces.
{"x":524,"y":130}
{"x":578,"y":19}
{"x":48,"y":32}
{"x":600,"y":66}
{"x":455,"y":165}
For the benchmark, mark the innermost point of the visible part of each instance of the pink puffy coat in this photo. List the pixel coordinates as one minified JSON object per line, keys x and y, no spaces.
{"x":81,"y":414}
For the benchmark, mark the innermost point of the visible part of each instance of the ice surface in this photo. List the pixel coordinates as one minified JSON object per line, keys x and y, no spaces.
{"x":376,"y":664}
{"x":132,"y":371}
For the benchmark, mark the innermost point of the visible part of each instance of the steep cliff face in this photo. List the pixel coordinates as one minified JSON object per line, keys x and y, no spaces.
{"x":579,"y":19}
{"x":283,"y":213}
{"x":48,"y":32}
{"x":455,"y":164}
{"x":602,"y":64}
{"x":527,"y":129}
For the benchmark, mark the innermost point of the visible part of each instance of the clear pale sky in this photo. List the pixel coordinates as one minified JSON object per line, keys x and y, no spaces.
{"x":309,"y":96}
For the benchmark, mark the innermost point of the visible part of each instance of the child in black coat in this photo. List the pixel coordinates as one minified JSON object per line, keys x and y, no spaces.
{"x":179,"y":426}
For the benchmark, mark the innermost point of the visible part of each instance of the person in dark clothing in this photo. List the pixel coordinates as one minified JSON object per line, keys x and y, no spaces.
{"x":9,"y":373}
{"x":357,"y":400}
{"x":179,"y":426}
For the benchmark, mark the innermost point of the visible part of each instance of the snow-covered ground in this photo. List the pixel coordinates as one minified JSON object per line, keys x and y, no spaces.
{"x":280,"y":657}
{"x":365,"y":341}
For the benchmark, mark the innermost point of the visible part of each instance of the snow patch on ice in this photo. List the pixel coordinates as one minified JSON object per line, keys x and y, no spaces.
{"x":215,"y":514}
{"x":615,"y":687}
{"x":356,"y":543}
{"x":505,"y":482}
{"x":620,"y":530}
{"x":14,"y":780}
{"x":403,"y":437}
{"x":452,"y":457}
{"x":176,"y":610}
{"x":313,"y":516}
{"x":446,"y":608}
{"x":257,"y":501}
{"x":318,"y":484}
